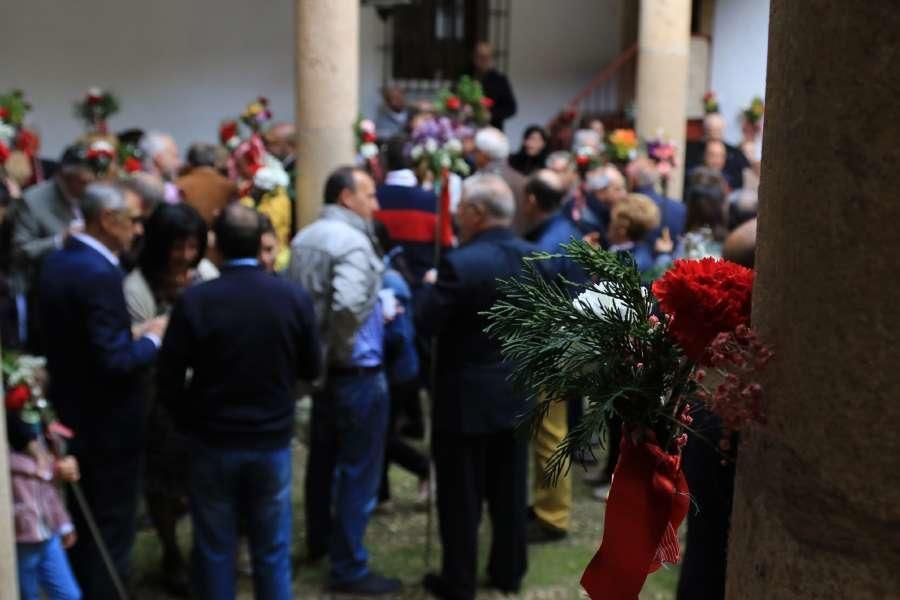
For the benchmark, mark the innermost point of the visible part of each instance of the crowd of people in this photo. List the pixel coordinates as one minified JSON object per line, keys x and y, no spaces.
{"x":179,"y":306}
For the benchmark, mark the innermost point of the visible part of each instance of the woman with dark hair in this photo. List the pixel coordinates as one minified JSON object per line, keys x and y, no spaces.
{"x":533,"y":153}
{"x":174,"y":243}
{"x":706,"y":224}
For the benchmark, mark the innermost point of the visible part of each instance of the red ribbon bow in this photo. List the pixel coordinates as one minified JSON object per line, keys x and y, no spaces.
{"x":647,"y":502}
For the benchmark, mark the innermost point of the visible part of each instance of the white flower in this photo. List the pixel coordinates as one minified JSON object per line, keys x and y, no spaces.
{"x":453,"y":145}
{"x":599,"y":301}
{"x":416,"y":152}
{"x":94,"y":92}
{"x":431,"y":146}
{"x":103,"y":146}
{"x":268,"y":178}
{"x":368,"y":150}
{"x":461,"y":166}
{"x":446,"y":161}
{"x":7,"y":133}
{"x":367,"y":125}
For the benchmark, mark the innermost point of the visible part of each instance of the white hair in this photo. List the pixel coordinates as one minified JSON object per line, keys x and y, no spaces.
{"x":491,"y":193}
{"x":493,"y":143}
{"x":152,"y":143}
{"x":586,"y":137}
{"x":99,"y":197}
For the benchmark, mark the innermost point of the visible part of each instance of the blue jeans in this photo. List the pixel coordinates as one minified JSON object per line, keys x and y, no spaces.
{"x":251,"y":486}
{"x":346,"y":458}
{"x":44,"y":566}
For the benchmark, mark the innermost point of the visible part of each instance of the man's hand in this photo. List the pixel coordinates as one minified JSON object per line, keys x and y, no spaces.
{"x":430,"y":277}
{"x":67,"y":469}
{"x":69,"y":539}
{"x":40,"y":455}
{"x":592,"y":239}
{"x":664,"y":243}
{"x":156,"y":327}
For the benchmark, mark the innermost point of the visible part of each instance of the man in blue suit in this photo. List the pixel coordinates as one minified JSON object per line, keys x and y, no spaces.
{"x":92,"y":358}
{"x":478,"y":454}
{"x":246,"y":338}
{"x":672,"y":213}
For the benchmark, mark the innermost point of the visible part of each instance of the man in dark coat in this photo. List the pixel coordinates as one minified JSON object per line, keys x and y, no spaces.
{"x":478,"y":454}
{"x":93,"y":357}
{"x":494,"y":84}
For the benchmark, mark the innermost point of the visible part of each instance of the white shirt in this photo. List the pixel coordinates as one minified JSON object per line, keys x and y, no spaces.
{"x":401,"y":177}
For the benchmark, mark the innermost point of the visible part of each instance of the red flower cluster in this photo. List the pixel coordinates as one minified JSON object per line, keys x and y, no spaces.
{"x":132,"y":165}
{"x":4,"y":153}
{"x":583,"y":160}
{"x":704,"y":298}
{"x":99,"y":154}
{"x":368,"y":137}
{"x":4,"y":113}
{"x":487,"y":102}
{"x":17,"y":397}
{"x":28,"y":142}
{"x":453,"y":103}
{"x":227,"y":131}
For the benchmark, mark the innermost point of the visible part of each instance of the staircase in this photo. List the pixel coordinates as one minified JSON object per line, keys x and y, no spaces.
{"x":610,"y":94}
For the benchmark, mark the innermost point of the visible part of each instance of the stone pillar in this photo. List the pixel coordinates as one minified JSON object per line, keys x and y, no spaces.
{"x":817,"y":501}
{"x":662,"y":76}
{"x":327,"y":95}
{"x":8,"y":573}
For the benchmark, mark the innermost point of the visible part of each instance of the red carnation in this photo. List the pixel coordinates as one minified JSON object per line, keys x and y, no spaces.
{"x":132,"y":165}
{"x":28,"y":142}
{"x":17,"y":397}
{"x":94,"y":98}
{"x":487,"y":102}
{"x":368,"y":137}
{"x":4,"y":113}
{"x":97,"y":153}
{"x":227,"y":131}
{"x":4,"y":153}
{"x":704,"y":298}
{"x":583,"y":160}
{"x":453,"y":103}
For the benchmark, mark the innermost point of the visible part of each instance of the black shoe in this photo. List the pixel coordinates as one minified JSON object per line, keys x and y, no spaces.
{"x":370,"y":585}
{"x":435,"y":585}
{"x":538,"y":533}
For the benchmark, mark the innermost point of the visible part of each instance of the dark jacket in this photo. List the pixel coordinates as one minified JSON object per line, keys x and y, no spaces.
{"x":549,"y":237}
{"x":92,"y":358}
{"x":248,"y":338}
{"x":496,"y":86}
{"x":473,"y":393}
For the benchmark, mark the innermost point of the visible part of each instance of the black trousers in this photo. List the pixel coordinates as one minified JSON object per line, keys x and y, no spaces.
{"x":397,"y":451}
{"x":110,"y":482}
{"x":471,"y":469}
{"x":712,"y":491}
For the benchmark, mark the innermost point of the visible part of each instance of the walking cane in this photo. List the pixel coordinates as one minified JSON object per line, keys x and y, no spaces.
{"x":60,"y":446}
{"x":443,"y":202}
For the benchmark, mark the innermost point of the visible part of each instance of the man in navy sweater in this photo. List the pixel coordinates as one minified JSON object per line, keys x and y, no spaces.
{"x":228,"y":369}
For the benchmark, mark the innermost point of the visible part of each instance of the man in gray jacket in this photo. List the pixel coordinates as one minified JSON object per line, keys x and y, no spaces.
{"x":47,"y":214}
{"x":335,"y":260}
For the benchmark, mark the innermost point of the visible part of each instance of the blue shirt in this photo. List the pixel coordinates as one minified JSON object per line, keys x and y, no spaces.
{"x":368,"y":347}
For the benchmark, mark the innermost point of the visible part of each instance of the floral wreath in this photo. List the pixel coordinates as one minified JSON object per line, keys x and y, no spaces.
{"x":465,"y":102}
{"x":710,"y":103}
{"x":95,"y":108}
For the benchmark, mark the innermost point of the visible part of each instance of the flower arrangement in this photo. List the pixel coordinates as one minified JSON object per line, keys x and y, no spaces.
{"x":24,"y":376}
{"x":257,"y":114}
{"x":364,"y":129}
{"x":95,"y":108}
{"x":228,"y":134}
{"x":586,"y":159}
{"x":13,"y":134}
{"x":436,"y":146}
{"x":642,"y":357}
{"x":622,"y":144}
{"x":13,"y":108}
{"x":710,"y":102}
{"x":754,"y":113}
{"x":662,"y":152}
{"x":466,"y":102}
{"x":101,"y":156}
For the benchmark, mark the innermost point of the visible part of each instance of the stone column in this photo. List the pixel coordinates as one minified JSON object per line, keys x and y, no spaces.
{"x":8,"y":573}
{"x":817,"y":501}
{"x":327,"y":95}
{"x":662,"y":76}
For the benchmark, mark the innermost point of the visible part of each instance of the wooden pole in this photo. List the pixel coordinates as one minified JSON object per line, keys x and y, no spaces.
{"x":9,"y":585}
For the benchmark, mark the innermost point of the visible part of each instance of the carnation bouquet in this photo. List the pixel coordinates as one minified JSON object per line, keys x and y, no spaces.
{"x":366,"y":147}
{"x":436,"y":146}
{"x":622,"y":144}
{"x":23,"y":379}
{"x":257,"y":114}
{"x":95,"y":108}
{"x":466,"y":102}
{"x":641,"y":357}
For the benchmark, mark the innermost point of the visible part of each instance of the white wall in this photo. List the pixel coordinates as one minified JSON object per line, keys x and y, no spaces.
{"x":740,"y":44}
{"x":184,"y":66}
{"x":174,"y":65}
